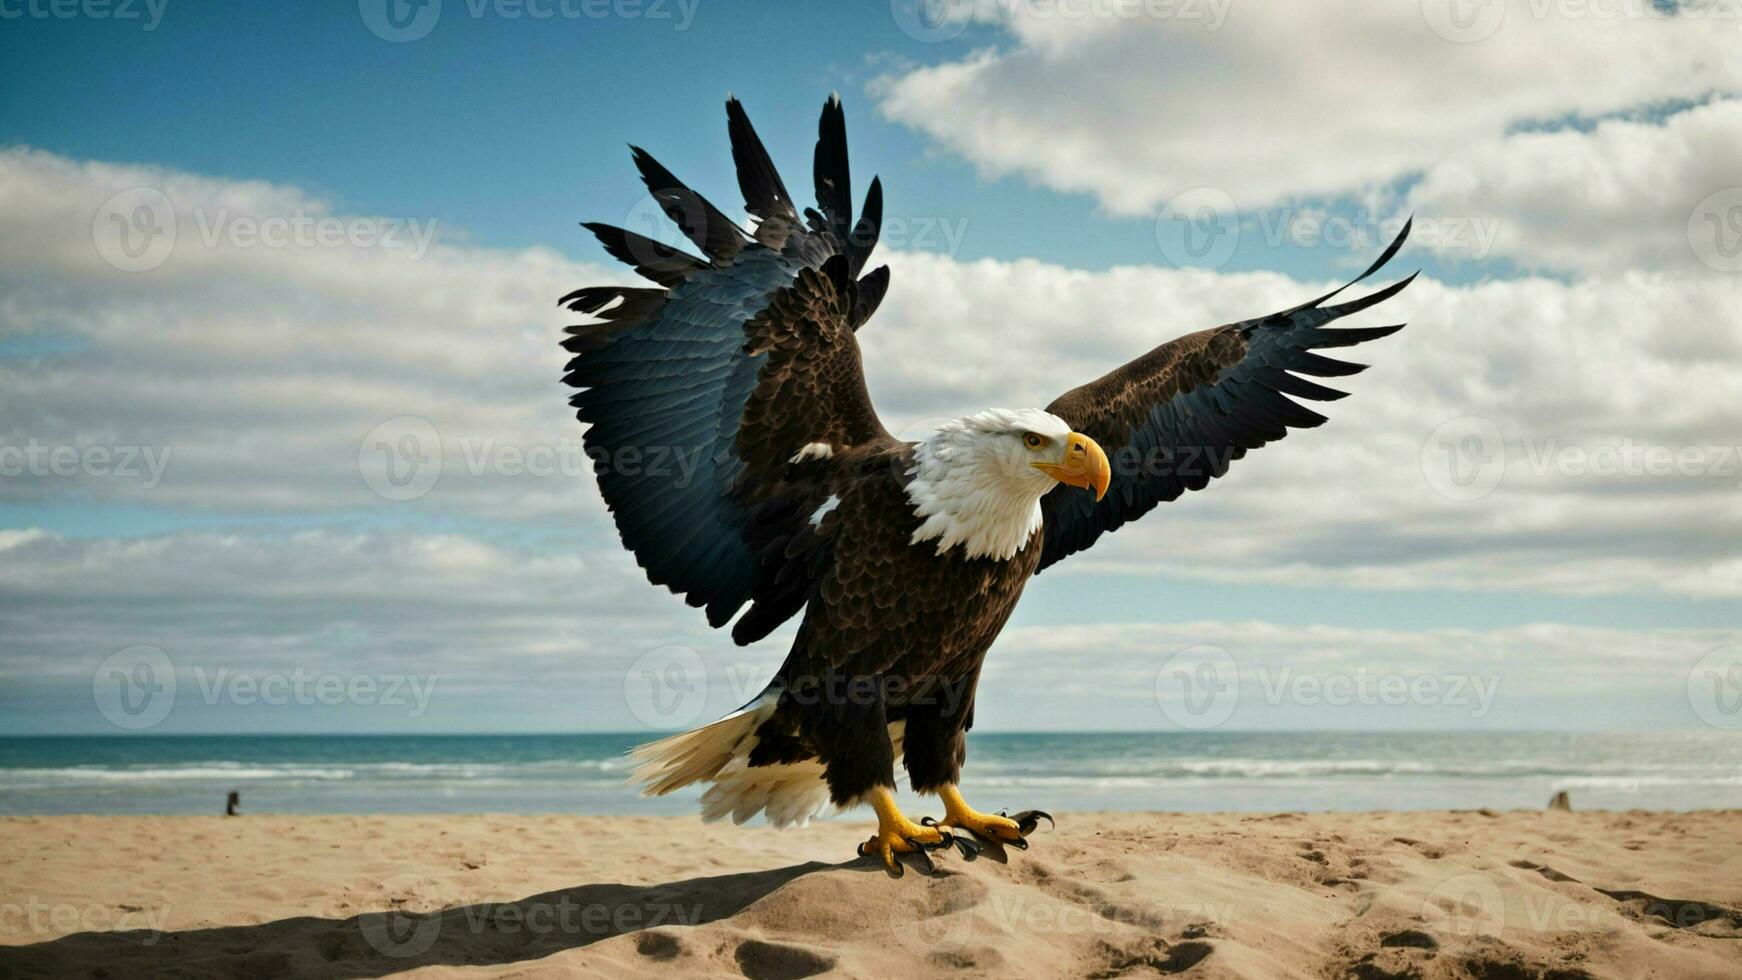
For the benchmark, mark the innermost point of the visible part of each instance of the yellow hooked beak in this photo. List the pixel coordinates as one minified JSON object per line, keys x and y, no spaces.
{"x":1081,"y":463}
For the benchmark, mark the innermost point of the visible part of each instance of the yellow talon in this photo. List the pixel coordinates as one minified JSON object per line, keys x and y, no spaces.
{"x":1005,"y":830}
{"x":898,"y":835}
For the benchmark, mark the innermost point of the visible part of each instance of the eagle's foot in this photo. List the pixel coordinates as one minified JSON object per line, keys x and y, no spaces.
{"x":1007,"y":830}
{"x":910,"y":838}
{"x":898,"y":835}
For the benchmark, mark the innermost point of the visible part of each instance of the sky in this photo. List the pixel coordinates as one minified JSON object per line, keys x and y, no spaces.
{"x":283,"y":445}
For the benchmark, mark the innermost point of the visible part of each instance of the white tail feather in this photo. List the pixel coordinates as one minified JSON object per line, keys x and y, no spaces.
{"x":789,"y":794}
{"x":699,"y":754}
{"x":719,"y":753}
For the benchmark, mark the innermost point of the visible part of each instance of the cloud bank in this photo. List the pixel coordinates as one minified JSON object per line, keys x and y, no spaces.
{"x":283,"y":530}
{"x":1141,"y":105}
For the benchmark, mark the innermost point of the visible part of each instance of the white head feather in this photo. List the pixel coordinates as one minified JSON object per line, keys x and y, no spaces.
{"x":973,"y":484}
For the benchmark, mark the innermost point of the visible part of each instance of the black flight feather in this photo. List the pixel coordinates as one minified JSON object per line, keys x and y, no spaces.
{"x":718,"y":236}
{"x":833,"y":179}
{"x":866,"y":230}
{"x":765,"y":195}
{"x":654,"y":260}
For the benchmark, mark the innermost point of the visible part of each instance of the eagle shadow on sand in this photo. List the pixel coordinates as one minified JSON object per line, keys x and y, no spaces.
{"x":381,"y":943}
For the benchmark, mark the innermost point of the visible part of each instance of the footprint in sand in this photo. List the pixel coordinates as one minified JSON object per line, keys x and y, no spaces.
{"x":658,"y":945}
{"x":761,"y":960}
{"x":1161,"y":957}
{"x":1412,"y":938}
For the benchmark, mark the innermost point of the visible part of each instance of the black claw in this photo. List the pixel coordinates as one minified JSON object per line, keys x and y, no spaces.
{"x":919,"y":851}
{"x":1028,"y":820}
{"x":927,"y":822}
{"x":970,"y":848}
{"x":1018,"y":843}
{"x":892,"y":865}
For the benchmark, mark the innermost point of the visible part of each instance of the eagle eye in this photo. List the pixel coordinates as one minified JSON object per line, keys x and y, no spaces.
{"x":1034,"y":440}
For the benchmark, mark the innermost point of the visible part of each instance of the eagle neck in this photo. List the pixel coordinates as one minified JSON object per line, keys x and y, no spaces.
{"x":964,"y":500}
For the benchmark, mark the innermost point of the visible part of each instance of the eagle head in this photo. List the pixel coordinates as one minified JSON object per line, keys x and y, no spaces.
{"x":977,"y":482}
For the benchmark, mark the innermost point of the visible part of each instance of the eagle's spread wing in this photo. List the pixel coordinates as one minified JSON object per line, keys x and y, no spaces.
{"x":702,"y":393}
{"x":1174,"y":418}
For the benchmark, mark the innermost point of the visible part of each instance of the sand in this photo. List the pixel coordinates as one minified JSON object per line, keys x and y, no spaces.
{"x":1469,"y":894}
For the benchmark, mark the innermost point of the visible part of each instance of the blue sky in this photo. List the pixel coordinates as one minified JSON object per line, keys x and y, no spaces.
{"x":513,"y":129}
{"x":1052,"y":149}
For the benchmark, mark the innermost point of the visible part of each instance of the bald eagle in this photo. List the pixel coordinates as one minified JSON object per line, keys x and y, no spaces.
{"x":901,"y":560}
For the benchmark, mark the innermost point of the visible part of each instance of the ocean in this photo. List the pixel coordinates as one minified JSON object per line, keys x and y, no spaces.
{"x":1259,"y":772}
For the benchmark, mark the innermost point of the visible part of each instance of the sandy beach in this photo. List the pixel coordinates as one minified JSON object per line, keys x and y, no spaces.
{"x":1463,"y":894}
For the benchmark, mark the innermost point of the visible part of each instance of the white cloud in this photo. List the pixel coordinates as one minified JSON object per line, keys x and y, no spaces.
{"x":1294,"y":100}
{"x":260,"y":369}
{"x":261,"y":374}
{"x":496,"y":630}
{"x":1589,"y":385}
{"x":506,"y":639}
{"x":1336,"y":677}
{"x":1618,"y":196}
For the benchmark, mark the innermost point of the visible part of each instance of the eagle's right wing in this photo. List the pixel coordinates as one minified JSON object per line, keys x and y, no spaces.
{"x":715,"y":402}
{"x":1176,"y":417}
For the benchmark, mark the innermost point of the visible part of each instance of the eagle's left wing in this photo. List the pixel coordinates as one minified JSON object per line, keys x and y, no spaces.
{"x":719,"y":404}
{"x":1174,"y":418}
